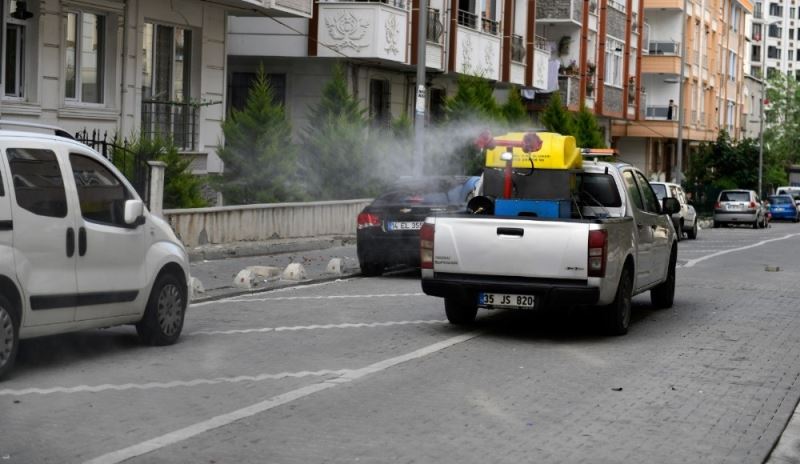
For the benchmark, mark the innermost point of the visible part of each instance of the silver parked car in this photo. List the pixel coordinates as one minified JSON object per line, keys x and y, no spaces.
{"x":739,"y":207}
{"x":686,"y":220}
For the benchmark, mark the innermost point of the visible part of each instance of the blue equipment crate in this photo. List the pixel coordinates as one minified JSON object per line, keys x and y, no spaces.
{"x":537,"y":208}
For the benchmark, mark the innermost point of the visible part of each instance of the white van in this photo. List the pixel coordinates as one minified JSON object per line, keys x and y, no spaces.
{"x":790,"y":190}
{"x":78,"y":249}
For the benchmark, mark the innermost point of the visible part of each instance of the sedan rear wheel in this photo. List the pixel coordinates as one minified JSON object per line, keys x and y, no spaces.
{"x":692,"y":233}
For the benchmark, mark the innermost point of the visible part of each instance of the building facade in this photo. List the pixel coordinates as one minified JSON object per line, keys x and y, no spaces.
{"x":126,"y":67}
{"x":694,"y":55}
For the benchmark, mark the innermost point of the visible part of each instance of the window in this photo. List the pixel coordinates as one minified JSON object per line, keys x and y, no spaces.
{"x":732,"y":66}
{"x":438,"y":99}
{"x":613,"y":71}
{"x":791,"y":12}
{"x":735,"y":13}
{"x":14,"y":61}
{"x":755,"y":54}
{"x":650,"y":201}
{"x":775,"y":9}
{"x":773,"y":52}
{"x":791,"y":34}
{"x":85,"y":45}
{"x":774,"y":31}
{"x":37,"y":181}
{"x":380,"y":94}
{"x":791,"y":56}
{"x":167,"y":63}
{"x":241,"y":82}
{"x":101,"y":194}
{"x":756,"y":31}
{"x":757,"y":10}
{"x":633,"y":191}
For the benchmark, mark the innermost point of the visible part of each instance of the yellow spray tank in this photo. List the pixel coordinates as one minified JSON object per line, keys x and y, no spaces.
{"x":557,"y":152}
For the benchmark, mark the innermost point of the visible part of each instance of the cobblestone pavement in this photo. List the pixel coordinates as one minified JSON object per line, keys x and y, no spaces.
{"x":367,"y":370}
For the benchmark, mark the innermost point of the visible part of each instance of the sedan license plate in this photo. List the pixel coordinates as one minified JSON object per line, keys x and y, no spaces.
{"x":504,"y":300}
{"x":415,"y":225}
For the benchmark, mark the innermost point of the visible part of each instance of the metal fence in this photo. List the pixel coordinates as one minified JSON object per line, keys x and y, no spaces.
{"x":171,"y":120}
{"x":435,"y":28}
{"x":132,"y":165}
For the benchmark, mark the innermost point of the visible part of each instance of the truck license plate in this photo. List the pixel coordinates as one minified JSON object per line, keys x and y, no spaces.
{"x":504,"y":300}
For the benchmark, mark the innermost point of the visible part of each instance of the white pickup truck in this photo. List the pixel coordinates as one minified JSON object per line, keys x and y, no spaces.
{"x":621,"y":242}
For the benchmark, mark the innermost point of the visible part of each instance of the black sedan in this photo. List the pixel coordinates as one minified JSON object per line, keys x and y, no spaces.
{"x":388,"y":229}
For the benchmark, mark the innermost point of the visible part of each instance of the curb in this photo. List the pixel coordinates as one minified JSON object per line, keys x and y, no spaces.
{"x":234,"y":292}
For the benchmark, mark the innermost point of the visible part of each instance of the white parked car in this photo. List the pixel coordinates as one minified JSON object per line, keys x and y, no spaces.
{"x":78,"y":249}
{"x":686,"y":219}
{"x":793,"y":191}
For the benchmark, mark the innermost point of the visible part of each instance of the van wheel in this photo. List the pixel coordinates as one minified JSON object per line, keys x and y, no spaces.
{"x":692,"y":233}
{"x":663,"y":295}
{"x":618,"y":313}
{"x":163,"y":319}
{"x":9,"y":336}
{"x":460,"y":310}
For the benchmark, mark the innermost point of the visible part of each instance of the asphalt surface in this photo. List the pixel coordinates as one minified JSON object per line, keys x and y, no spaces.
{"x":350,"y":369}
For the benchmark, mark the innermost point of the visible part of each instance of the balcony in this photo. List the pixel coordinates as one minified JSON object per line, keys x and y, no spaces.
{"x":478,"y":45}
{"x":541,"y":58}
{"x":560,"y":11}
{"x":663,"y":5}
{"x":374,"y":30}
{"x":661,"y":63}
{"x":173,"y":120}
{"x":669,"y":47}
{"x":434,"y":34}
{"x":659,"y":113}
{"x":297,"y":8}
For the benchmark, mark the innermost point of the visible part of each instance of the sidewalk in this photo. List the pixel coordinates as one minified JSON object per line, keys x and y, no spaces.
{"x":216,"y":266}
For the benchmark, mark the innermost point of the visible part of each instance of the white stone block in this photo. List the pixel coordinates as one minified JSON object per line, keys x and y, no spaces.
{"x":245,"y":279}
{"x":336,"y":266}
{"x":294,"y":271}
{"x":264,"y":272}
{"x":196,"y":287}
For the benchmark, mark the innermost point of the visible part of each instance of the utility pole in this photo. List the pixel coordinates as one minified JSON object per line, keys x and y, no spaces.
{"x":419,"y":114}
{"x":681,"y":112}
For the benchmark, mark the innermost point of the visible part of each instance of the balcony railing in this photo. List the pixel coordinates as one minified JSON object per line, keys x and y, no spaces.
{"x":470,"y":20}
{"x":174,"y":120}
{"x":490,"y":26}
{"x":660,"y":112}
{"x":434,"y":27}
{"x":664,"y":48}
{"x":395,"y":3}
{"x":467,"y":19}
{"x":517,"y":49}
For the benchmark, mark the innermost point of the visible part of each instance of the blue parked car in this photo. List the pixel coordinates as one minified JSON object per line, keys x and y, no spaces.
{"x":783,"y":207}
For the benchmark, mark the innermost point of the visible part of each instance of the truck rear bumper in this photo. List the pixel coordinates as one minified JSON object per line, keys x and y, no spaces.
{"x":549,"y":291}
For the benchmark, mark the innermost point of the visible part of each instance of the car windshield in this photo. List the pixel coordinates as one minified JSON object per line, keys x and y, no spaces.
{"x":431,"y":191}
{"x":734,"y":196}
{"x":780,"y":200}
{"x":660,"y":189}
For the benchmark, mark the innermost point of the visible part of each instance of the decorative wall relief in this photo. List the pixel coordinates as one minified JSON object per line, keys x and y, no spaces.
{"x":392,"y":33}
{"x":466,"y":55}
{"x":347,"y":30}
{"x":489,"y":60}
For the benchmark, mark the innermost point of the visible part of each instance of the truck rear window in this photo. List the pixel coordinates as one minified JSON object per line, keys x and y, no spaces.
{"x":598,"y":188}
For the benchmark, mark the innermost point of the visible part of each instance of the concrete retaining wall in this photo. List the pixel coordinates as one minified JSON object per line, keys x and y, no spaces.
{"x":226,"y":224}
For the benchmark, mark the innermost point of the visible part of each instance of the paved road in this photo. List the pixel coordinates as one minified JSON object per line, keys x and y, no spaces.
{"x":367,"y":370}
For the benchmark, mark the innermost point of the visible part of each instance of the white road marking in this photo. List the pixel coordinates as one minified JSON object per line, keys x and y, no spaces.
{"x":692,"y":262}
{"x":257,"y":408}
{"x":276,"y":290}
{"x":346,"y":325}
{"x":171,"y":384}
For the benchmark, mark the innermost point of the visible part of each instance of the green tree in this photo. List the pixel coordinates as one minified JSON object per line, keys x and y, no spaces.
{"x":337,"y":160}
{"x":474,"y":101}
{"x":556,"y":117}
{"x":260,"y":159}
{"x":514,"y":110}
{"x":586,"y":130}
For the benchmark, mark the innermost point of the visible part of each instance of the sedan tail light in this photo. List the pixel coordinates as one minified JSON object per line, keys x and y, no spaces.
{"x":717,"y":205}
{"x":598,"y":252}
{"x":426,"y":245}
{"x":752,"y":204}
{"x":367,"y":220}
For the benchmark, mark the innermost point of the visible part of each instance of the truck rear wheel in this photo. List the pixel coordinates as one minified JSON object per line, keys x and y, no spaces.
{"x":460,"y":310}
{"x":618,"y":313}
{"x":663,"y":294}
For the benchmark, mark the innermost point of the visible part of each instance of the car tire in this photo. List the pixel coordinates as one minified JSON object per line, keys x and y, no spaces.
{"x":166,"y":308}
{"x":756,"y":224}
{"x":716,"y":225}
{"x":371,"y":269}
{"x":663,"y":295}
{"x":692,"y":233}
{"x":618,"y":313}
{"x":460,"y":310}
{"x":9,"y":336}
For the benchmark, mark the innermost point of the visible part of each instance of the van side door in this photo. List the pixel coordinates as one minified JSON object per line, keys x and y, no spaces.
{"x":111,"y":254}
{"x":44,"y":234}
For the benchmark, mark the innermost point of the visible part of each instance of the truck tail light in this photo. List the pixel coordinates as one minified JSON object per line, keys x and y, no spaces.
{"x":426,"y":246}
{"x":598,"y":251}
{"x":367,"y":220}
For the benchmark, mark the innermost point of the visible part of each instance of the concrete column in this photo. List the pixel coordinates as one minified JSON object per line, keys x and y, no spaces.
{"x":157,"y":169}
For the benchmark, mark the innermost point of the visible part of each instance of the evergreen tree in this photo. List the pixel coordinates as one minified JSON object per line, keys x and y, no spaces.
{"x":474,"y":100}
{"x":337,"y":161}
{"x":514,"y":111}
{"x":260,"y":159}
{"x":556,"y":117}
{"x":586,"y":130}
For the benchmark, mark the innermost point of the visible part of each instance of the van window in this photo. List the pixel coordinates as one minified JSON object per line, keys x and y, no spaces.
{"x":101,"y":194}
{"x":37,"y":181}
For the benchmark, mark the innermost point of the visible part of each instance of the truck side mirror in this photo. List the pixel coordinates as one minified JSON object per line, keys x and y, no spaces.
{"x":670,"y":206}
{"x":134,"y":212}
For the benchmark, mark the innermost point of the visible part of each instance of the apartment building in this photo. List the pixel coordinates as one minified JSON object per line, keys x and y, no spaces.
{"x":707,"y":39}
{"x":586,"y":49}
